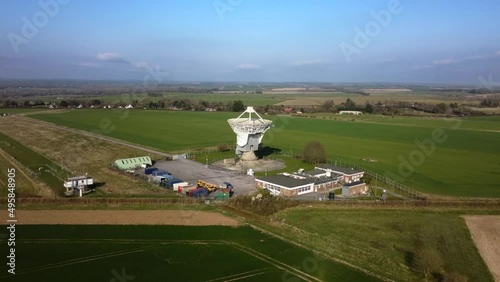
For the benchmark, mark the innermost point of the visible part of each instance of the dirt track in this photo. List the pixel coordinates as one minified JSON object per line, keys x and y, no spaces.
{"x":122,"y":217}
{"x":485,"y":230}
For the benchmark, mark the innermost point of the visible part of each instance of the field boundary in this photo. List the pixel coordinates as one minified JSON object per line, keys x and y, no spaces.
{"x":485,"y":231}
{"x":22,"y":169}
{"x":450,"y":204}
{"x":122,"y":217}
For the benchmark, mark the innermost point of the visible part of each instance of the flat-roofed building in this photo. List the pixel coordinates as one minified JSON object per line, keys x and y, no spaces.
{"x":354,"y":189}
{"x":345,"y":175}
{"x":293,"y":185}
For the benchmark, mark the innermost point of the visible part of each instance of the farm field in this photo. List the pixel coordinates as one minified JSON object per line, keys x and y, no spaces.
{"x":172,"y":253}
{"x":462,"y":148}
{"x":385,"y":241}
{"x":279,"y":96}
{"x":489,"y":123}
{"x":318,"y":99}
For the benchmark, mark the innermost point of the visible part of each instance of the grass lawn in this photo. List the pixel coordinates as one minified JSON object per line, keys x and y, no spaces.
{"x":384,"y":241}
{"x":165,"y":253}
{"x":463,"y":161}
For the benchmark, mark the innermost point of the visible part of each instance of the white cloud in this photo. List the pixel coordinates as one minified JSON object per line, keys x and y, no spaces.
{"x":111,"y":57}
{"x":309,"y":62}
{"x":88,"y":64}
{"x":248,"y":67}
{"x":387,"y":61}
{"x":445,"y":62}
{"x":475,"y":57}
{"x":141,"y":65}
{"x":422,"y":67}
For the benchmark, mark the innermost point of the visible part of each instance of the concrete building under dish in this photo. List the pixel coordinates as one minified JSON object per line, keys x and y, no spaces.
{"x":249,"y":131}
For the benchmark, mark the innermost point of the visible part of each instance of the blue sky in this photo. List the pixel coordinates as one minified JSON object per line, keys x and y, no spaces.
{"x":422,"y":41}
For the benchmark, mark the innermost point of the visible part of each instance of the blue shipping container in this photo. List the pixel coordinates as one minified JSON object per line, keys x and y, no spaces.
{"x":149,"y":170}
{"x":200,"y":193}
{"x":159,"y":172}
{"x":174,"y":180}
{"x":168,"y":176}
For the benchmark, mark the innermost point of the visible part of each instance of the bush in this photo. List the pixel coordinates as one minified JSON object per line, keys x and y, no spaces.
{"x":265,"y":204}
{"x":427,"y":261}
{"x":314,"y":153}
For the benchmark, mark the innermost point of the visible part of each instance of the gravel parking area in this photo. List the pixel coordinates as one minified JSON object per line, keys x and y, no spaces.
{"x":190,"y":171}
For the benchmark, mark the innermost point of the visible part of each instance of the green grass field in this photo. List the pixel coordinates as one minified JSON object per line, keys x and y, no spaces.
{"x":164,"y":253}
{"x":465,"y":164}
{"x":24,"y":186}
{"x":45,"y":170}
{"x":384,"y":241}
{"x":475,"y":123}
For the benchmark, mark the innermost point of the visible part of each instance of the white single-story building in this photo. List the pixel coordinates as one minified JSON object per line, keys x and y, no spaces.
{"x":293,"y":185}
{"x":351,"y":113}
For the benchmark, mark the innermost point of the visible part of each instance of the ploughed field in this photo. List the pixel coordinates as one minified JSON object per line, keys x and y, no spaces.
{"x":457,"y":157}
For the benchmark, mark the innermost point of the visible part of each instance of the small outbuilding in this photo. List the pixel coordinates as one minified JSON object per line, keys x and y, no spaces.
{"x":354,"y":189}
{"x":131,"y":163}
{"x":356,"y":113}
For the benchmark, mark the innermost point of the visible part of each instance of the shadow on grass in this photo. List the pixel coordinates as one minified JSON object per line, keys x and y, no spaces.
{"x":98,"y":184}
{"x":409,"y":258}
{"x":266,"y":151}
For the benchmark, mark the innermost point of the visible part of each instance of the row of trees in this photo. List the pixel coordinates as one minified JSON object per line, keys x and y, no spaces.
{"x":181,"y":104}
